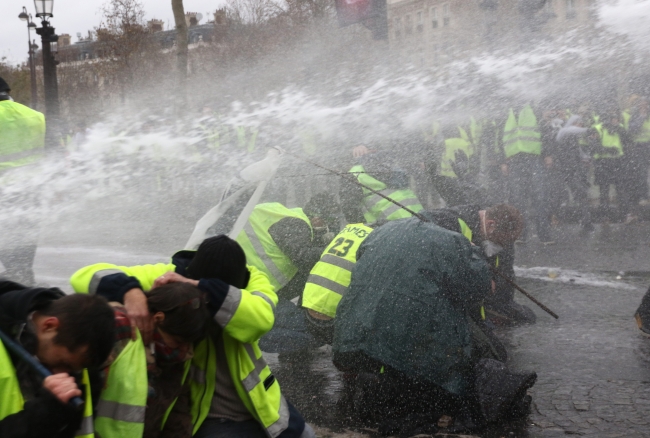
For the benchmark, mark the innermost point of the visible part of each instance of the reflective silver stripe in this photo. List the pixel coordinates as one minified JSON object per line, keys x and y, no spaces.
{"x":282,"y":423}
{"x":197,"y":375}
{"x":327,"y":284}
{"x":22,"y":154}
{"x":265,"y":298}
{"x":339,"y":262}
{"x":253,"y":378}
{"x":229,"y":307}
{"x":87,"y":427}
{"x":97,"y":277}
{"x":371,"y":201}
{"x":120,"y":411}
{"x":259,"y":249}
{"x":394,"y":207}
{"x":529,"y":128}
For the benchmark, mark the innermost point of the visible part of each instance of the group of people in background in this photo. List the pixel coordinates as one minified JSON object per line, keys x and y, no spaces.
{"x":539,"y":157}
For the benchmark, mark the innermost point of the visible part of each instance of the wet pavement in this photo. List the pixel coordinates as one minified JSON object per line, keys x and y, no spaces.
{"x":593,"y":364}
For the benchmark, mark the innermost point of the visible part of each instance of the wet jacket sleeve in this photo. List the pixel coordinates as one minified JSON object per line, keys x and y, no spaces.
{"x":112,"y":281}
{"x":245,"y":314}
{"x":44,"y":416}
{"x":294,"y":238}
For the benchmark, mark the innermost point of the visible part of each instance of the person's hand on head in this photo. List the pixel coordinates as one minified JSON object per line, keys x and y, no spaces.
{"x":62,"y":386}
{"x":173,"y":277}
{"x":135,"y":303}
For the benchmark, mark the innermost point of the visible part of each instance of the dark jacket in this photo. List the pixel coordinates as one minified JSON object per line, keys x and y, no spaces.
{"x":43,"y":415}
{"x":411,"y":290}
{"x":294,"y":238}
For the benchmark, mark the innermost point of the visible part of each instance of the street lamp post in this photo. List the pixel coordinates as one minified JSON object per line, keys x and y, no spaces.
{"x":51,"y":88}
{"x":32,"y":68}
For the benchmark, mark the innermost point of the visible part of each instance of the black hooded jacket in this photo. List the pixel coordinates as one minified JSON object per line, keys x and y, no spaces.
{"x":43,"y":415}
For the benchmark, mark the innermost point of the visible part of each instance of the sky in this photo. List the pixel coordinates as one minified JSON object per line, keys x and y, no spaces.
{"x":72,"y":16}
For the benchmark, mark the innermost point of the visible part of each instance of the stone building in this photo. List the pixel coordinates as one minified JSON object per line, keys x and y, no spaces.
{"x":430,"y":33}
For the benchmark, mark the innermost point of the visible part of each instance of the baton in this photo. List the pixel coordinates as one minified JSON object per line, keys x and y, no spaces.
{"x":24,"y":355}
{"x":526,"y":294}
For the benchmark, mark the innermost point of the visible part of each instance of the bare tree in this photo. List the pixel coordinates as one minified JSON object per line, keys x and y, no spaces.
{"x":181,"y":49}
{"x":122,"y":37}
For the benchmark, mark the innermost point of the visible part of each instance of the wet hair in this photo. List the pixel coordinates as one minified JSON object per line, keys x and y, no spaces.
{"x":84,"y":320}
{"x":220,"y":257}
{"x":509,"y":223}
{"x":323,"y":205}
{"x":186,"y":314}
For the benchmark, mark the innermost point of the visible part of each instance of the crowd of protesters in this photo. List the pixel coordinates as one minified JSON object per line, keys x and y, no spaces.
{"x":542,"y":157}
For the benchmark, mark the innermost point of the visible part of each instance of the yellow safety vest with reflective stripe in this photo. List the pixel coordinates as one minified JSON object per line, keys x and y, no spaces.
{"x":376,"y":207}
{"x":12,"y":401}
{"x":329,"y":278}
{"x":610,"y":141}
{"x":244,"y":317}
{"x":451,"y":146}
{"x":22,"y":135}
{"x":521,"y":135}
{"x":644,"y":135}
{"x":261,"y":251}
{"x":255,"y":384}
{"x":123,"y":400}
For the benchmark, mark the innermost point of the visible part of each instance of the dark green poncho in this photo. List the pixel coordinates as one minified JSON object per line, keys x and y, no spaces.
{"x":412,"y":288}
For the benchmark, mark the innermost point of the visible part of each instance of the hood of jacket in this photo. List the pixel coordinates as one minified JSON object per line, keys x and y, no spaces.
{"x":17,"y":301}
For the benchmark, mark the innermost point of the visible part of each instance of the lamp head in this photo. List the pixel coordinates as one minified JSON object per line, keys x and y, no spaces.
{"x":44,"y":8}
{"x":23,"y":15}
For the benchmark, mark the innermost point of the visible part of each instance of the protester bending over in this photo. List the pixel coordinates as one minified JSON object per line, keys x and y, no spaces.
{"x":66,"y":334}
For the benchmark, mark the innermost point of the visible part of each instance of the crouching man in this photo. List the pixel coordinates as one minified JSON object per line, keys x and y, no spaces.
{"x":404,"y":327}
{"x":233,"y":392}
{"x":66,"y":334}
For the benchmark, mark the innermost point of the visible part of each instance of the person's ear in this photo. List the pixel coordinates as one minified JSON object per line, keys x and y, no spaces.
{"x":490,"y":226}
{"x":158,"y":318}
{"x":49,"y":324}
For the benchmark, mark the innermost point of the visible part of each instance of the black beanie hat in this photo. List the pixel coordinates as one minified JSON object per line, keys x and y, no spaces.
{"x":220,"y":257}
{"x":4,"y":86}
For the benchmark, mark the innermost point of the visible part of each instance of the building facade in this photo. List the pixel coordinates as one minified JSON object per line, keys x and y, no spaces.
{"x":431,"y":33}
